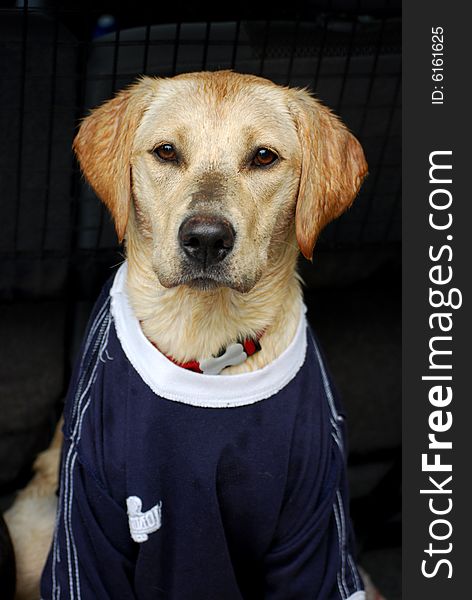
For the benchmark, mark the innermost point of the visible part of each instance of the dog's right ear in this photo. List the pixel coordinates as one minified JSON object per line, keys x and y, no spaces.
{"x":104,"y":144}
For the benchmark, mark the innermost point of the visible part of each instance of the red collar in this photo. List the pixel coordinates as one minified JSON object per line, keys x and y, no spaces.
{"x":250,"y":345}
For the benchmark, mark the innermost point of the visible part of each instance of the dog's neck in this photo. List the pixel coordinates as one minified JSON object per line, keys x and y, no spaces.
{"x":190,"y":324}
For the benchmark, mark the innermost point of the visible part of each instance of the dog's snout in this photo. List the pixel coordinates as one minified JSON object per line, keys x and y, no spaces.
{"x":207,"y":240}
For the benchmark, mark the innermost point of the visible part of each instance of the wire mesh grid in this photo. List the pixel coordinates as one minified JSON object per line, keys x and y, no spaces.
{"x":55,"y":68}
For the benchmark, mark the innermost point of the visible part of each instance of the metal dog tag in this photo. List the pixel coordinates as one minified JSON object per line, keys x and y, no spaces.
{"x":234,"y":355}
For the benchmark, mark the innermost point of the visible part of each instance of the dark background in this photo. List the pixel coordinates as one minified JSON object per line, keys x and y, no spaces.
{"x":57,"y":243}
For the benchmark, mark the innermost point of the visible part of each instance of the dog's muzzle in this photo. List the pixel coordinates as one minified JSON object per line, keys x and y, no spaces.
{"x":206,"y":239}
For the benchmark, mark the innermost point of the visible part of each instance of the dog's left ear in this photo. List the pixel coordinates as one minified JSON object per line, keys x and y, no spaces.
{"x":333,"y":167}
{"x":104,"y":145}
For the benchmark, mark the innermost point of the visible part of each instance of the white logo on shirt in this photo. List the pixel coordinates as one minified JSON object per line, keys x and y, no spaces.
{"x":142,"y":523}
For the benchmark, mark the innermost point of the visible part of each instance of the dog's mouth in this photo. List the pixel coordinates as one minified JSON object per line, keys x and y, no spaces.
{"x":205,"y":280}
{"x":208,"y":280}
{"x":206,"y":284}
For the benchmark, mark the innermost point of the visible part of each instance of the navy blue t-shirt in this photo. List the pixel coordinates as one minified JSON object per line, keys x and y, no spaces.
{"x":181,"y":486}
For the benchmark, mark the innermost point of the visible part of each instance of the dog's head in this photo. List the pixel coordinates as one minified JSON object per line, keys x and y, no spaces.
{"x":219,"y":169}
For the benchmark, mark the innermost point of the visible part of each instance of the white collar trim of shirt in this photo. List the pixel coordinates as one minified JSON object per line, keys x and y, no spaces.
{"x":181,"y":385}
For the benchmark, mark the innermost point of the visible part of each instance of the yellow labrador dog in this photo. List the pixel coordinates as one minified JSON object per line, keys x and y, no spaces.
{"x":226,"y":475}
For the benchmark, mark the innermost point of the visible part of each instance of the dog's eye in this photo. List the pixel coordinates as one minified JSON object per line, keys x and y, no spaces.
{"x":166,"y":152}
{"x":264,"y":157}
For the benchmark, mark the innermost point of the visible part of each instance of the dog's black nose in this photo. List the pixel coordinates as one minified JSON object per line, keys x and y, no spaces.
{"x":206,"y":239}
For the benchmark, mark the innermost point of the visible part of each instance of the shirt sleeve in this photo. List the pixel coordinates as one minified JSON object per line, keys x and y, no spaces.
{"x":312,"y":554}
{"x":91,"y":554}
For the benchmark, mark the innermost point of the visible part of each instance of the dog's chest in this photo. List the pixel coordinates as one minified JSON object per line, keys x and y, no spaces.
{"x":199,"y":489}
{"x":211,"y":473}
